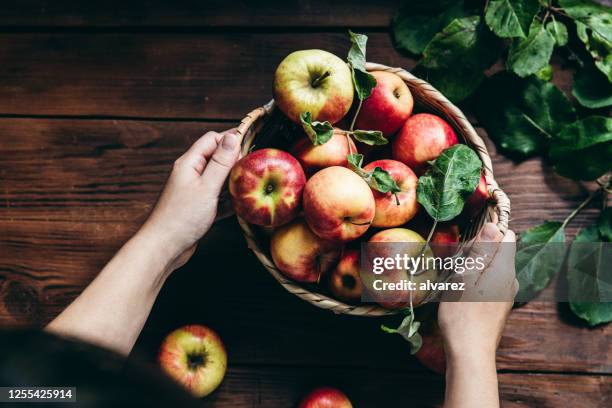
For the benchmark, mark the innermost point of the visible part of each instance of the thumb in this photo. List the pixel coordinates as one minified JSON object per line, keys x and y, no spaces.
{"x":221,"y":163}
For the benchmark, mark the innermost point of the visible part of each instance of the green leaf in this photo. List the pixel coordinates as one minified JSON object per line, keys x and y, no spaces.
{"x":409,"y":330}
{"x":559,"y":32}
{"x":604,"y":224}
{"x":545,"y":74}
{"x":591,"y":88}
{"x":539,"y":258}
{"x":465,"y":41}
{"x":597,"y":17}
{"x":362,"y":80}
{"x":355,"y":161}
{"x":416,"y":24}
{"x":527,"y":56}
{"x":318,"y":132}
{"x":370,"y":137}
{"x":521,"y":116}
{"x":511,"y":18}
{"x":384,"y":182}
{"x":599,"y":48}
{"x":586,"y":266}
{"x":456,"y":84}
{"x":582,"y":150}
{"x":453,"y":176}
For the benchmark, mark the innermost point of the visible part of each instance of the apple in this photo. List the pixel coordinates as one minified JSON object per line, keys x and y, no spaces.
{"x":395,"y":209}
{"x":431,"y":354}
{"x":325,"y":397}
{"x":390,"y":243}
{"x":421,"y":139}
{"x":389,"y":105}
{"x":345,"y":280}
{"x":478,"y":199}
{"x":301,"y":255}
{"x":195,"y":357}
{"x":332,"y":153}
{"x":266,"y":187}
{"x":314,"y":81}
{"x":338,"y":204}
{"x":445,"y":239}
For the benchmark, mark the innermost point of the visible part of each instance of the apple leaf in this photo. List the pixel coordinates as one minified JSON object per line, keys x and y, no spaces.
{"x":409,"y":330}
{"x":582,"y":150}
{"x":355,"y":161}
{"x":318,"y":132}
{"x":591,"y":88}
{"x":362,"y":80}
{"x":522,"y":116}
{"x":416,"y":24}
{"x":604,"y":224}
{"x":528,"y":55}
{"x":378,"y":179}
{"x":597,"y":17}
{"x":452,"y":178}
{"x":370,"y":137}
{"x":545,"y":74}
{"x":456,"y":84}
{"x":539,"y":258}
{"x":598,"y":46}
{"x":588,"y":261}
{"x":559,"y":32}
{"x":511,"y":18}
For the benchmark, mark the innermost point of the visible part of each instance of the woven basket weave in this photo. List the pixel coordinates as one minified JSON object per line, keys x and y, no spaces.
{"x":430,"y":100}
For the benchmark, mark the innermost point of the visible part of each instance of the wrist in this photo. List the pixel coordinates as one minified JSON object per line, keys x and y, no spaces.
{"x":474,"y":357}
{"x":160,"y":252}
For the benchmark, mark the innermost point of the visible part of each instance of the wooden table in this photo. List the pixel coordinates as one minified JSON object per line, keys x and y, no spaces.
{"x":96,"y":101}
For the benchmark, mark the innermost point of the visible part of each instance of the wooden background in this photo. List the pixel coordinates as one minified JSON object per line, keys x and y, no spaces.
{"x":96,"y":101}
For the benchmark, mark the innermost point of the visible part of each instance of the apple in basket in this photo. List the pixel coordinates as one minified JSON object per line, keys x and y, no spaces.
{"x":479,"y":197}
{"x":314,"y":81}
{"x":338,"y":204}
{"x":421,"y":139}
{"x":431,"y":354}
{"x":266,"y":187}
{"x":396,"y":209}
{"x":331,"y":153}
{"x":301,"y":255}
{"x":325,"y":397}
{"x":389,"y":105}
{"x":195,"y":357}
{"x":345,"y":281}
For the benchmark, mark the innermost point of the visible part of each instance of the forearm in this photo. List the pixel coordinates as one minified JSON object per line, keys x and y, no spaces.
{"x":471,"y":380}
{"x":114,"y":307}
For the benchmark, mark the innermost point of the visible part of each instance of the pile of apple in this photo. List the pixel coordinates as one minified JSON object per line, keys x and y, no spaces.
{"x":317,"y":200}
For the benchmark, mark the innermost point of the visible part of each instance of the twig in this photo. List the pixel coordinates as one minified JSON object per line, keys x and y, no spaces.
{"x":355,"y":116}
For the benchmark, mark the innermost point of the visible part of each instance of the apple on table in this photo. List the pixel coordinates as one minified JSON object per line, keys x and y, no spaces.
{"x":325,"y":397}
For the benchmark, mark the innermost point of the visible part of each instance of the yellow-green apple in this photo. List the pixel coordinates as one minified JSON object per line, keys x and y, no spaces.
{"x":478,"y":199}
{"x":389,"y":105}
{"x":314,"y":81}
{"x":394,"y":243}
{"x":396,"y":209}
{"x":338,"y":204}
{"x":345,"y":279}
{"x":431,"y":354}
{"x":195,"y":357}
{"x":301,"y":255}
{"x":332,"y":153}
{"x":266,"y":187}
{"x":325,"y":397}
{"x":421,"y":139}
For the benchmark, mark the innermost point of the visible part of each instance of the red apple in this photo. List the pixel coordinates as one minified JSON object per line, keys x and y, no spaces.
{"x":338,"y":204}
{"x":478,"y":199}
{"x":389,"y":105}
{"x":325,"y":397}
{"x":301,"y":255}
{"x":431,"y":354}
{"x":333,"y":153}
{"x":422,"y":138}
{"x":396,"y":209}
{"x":195,"y":357}
{"x":266,"y":187}
{"x":445,"y":239}
{"x":314,"y":81}
{"x":345,"y":280}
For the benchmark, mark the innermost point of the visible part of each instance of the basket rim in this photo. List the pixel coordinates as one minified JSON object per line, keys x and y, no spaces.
{"x":498,"y":210}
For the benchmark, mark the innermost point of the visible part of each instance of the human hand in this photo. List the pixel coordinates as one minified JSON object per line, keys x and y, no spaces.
{"x":187,"y":206}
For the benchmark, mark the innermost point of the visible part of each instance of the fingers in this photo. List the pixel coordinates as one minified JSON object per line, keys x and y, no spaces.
{"x":198,"y":154}
{"x":221,"y":163}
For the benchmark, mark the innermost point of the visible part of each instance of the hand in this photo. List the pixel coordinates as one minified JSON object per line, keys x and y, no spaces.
{"x":187,"y":206}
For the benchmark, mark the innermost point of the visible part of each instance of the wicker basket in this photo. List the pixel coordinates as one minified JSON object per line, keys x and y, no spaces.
{"x":431,"y":100}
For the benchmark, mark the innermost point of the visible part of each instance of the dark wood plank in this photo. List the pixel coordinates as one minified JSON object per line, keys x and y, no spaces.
{"x":189,"y":13}
{"x":222,"y":76}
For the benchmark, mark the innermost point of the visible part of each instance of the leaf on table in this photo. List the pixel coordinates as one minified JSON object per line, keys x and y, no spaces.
{"x":511,"y":18}
{"x":588,"y":276}
{"x":362,"y":80}
{"x":528,"y":55}
{"x":599,"y":47}
{"x":559,"y":32}
{"x":597,"y":17}
{"x":453,"y":176}
{"x":545,"y":74}
{"x":604,"y":224}
{"x":318,"y":132}
{"x":416,"y":24}
{"x":582,"y":150}
{"x":591,"y":88}
{"x":539,"y":257}
{"x":456,"y":84}
{"x":370,"y":137}
{"x":409,"y":330}
{"x":521,"y":116}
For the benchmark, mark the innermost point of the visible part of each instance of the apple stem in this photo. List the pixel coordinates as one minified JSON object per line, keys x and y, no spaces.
{"x":355,"y":116}
{"x":317,"y":81}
